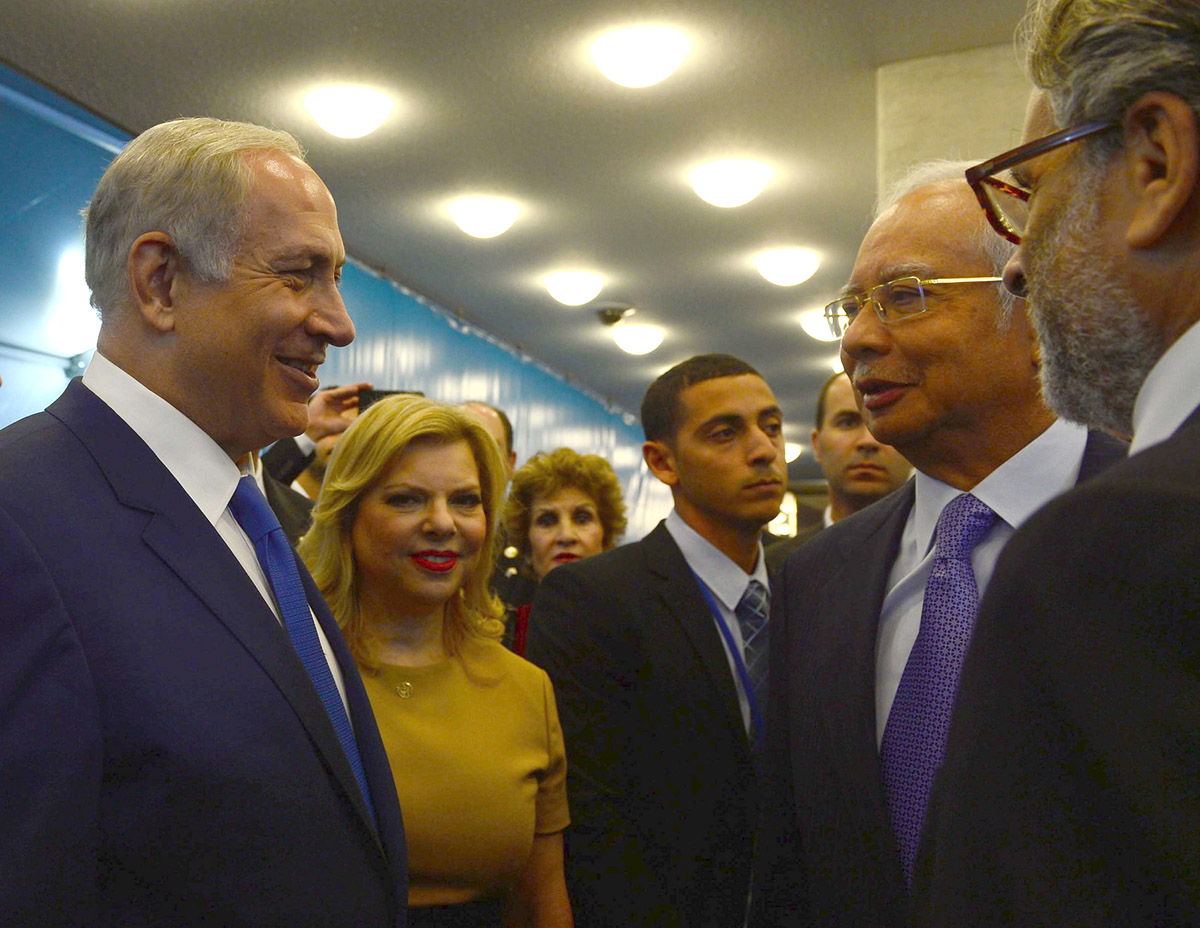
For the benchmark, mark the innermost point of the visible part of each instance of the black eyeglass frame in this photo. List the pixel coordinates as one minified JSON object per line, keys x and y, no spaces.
{"x":982,"y":175}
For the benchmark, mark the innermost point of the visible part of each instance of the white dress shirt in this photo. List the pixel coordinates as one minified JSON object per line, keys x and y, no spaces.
{"x":727,"y":582}
{"x":197,"y":462}
{"x":1043,"y":469}
{"x":1170,"y":393}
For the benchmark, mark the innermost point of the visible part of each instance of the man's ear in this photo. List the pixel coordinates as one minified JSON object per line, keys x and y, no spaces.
{"x":815,"y":440}
{"x":661,"y":460}
{"x":154,"y":267}
{"x":1162,"y":148}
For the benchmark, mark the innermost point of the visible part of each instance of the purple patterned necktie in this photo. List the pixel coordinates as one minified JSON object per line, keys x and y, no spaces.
{"x":914,"y":739}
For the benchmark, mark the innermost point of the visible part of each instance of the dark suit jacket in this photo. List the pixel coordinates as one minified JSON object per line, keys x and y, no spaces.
{"x":292,"y":509}
{"x":285,"y":461}
{"x":1071,"y":790}
{"x":659,"y":770}
{"x":165,"y":757}
{"x":776,"y":554}
{"x":829,"y":856}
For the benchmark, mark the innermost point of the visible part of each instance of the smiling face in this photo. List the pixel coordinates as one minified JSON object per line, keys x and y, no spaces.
{"x":246,"y":351}
{"x":563,"y":528}
{"x":420,"y":527}
{"x":860,"y":469}
{"x":950,"y":387}
{"x":725,"y":463}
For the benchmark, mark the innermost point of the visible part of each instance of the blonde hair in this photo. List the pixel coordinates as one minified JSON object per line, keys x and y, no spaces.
{"x":188,"y":178}
{"x":364,"y":455}
{"x":549,"y":474}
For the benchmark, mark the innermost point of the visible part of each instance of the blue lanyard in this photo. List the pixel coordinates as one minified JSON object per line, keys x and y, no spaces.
{"x":756,"y":722}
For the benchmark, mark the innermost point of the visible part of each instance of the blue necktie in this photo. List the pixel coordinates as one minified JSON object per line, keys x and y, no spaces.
{"x":258,"y":521}
{"x":752,"y":610}
{"x":914,"y":739}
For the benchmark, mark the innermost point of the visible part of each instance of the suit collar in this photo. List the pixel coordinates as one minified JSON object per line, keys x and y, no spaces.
{"x":204,"y":471}
{"x":677,"y":593}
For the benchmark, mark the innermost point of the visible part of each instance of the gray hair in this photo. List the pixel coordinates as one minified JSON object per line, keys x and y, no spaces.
{"x":994,"y":248}
{"x":187,"y":178}
{"x":1096,"y":57}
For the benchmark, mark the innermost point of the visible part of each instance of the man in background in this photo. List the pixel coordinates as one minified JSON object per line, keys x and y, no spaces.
{"x":858,"y":468}
{"x":871,"y":617}
{"x":1072,"y":783}
{"x":186,"y":738}
{"x":656,"y":652}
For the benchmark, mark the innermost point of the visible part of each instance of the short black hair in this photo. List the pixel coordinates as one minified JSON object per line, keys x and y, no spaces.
{"x":821,"y":398}
{"x":504,"y":422}
{"x":660,"y":406}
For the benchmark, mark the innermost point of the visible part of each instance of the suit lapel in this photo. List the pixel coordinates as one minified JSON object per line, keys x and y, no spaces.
{"x":678,"y":594}
{"x":1100,"y":452}
{"x":847,"y":612}
{"x":185,"y":541}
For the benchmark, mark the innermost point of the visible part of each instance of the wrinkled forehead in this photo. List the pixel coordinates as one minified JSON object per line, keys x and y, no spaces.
{"x":931,"y":232}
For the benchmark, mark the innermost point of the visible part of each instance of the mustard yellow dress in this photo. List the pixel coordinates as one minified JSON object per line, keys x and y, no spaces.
{"x":477,"y":754}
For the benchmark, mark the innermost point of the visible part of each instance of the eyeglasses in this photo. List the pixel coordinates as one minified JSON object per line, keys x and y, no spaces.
{"x":897,"y":299}
{"x":1006,"y":206}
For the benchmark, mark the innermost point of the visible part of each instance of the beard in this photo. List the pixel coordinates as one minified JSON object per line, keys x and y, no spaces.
{"x":1096,"y":347}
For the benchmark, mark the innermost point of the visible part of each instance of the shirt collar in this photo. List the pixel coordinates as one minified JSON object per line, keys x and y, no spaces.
{"x":204,"y":471}
{"x":1043,"y":469}
{"x":1170,"y":393}
{"x":717,"y":571}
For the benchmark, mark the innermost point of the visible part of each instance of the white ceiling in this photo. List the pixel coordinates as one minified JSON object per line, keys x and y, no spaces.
{"x":498,"y":96}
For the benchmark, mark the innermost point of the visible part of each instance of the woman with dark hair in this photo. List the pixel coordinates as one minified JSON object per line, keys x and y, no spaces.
{"x":562,"y":506}
{"x":401,"y":547}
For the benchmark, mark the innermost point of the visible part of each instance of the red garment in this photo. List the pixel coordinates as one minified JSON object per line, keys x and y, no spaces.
{"x":520,"y":628}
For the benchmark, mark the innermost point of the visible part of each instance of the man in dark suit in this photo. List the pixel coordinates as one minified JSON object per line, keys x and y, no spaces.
{"x":169,"y":755}
{"x":859,"y":469}
{"x":656,"y":664}
{"x":945,"y":369}
{"x":1071,"y":793}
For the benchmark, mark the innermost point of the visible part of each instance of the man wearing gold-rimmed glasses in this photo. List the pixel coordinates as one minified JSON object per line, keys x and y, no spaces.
{"x":944,"y":367}
{"x":1071,"y":791}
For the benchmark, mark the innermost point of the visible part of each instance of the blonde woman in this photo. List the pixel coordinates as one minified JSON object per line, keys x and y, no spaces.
{"x":401,"y":546}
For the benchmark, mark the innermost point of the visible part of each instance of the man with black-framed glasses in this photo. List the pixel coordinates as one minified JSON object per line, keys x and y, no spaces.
{"x":874,"y":614}
{"x":1071,"y":791}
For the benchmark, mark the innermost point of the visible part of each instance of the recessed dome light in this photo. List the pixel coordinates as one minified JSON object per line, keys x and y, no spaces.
{"x":816,"y":326}
{"x":730,"y":183}
{"x":637,"y":338}
{"x":484,"y":217}
{"x":573,"y":288}
{"x":640,"y":56}
{"x":349,"y":111}
{"x":836,"y":365}
{"x":787,"y":267}
{"x":791,"y":451}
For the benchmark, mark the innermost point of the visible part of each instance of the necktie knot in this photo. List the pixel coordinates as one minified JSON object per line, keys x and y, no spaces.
{"x":252,"y":511}
{"x":961,"y":527}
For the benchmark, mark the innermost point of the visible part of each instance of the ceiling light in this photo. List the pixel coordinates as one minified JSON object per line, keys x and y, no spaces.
{"x":786,"y":267}
{"x":484,"y":217}
{"x":573,"y":288}
{"x":349,"y":111}
{"x":791,"y":451}
{"x":836,"y":364}
{"x":816,"y":326}
{"x":639,"y":56}
{"x":637,"y":338}
{"x":730,"y":183}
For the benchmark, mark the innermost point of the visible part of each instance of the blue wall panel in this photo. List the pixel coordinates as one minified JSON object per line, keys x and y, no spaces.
{"x":52,"y":154}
